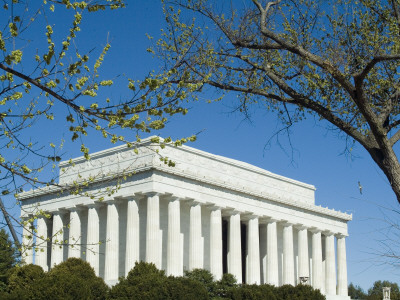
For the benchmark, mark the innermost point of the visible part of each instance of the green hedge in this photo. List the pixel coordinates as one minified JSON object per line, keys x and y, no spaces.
{"x":146,"y":282}
{"x":72,"y":279}
{"x":75,"y":279}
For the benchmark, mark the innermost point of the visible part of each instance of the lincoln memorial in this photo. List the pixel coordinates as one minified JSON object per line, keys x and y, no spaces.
{"x":207,"y":211}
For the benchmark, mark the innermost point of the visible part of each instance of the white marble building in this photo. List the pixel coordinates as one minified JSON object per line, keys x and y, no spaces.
{"x":206,"y":212}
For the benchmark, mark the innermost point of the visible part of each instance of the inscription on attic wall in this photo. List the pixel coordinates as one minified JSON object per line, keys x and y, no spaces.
{"x":237,"y":174}
{"x":203,"y":167}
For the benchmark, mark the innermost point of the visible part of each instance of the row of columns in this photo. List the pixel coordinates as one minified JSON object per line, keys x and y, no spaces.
{"x":254,"y":264}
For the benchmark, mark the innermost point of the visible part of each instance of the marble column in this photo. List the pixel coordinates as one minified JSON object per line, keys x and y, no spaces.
{"x":153,"y":233}
{"x":272,"y":254}
{"x":74,"y":241}
{"x":112,"y":243}
{"x":93,"y":238}
{"x":316,"y":260}
{"x":288,"y":254}
{"x":342,"y":266}
{"x":330,"y":270}
{"x":196,"y":241}
{"x":216,"y":243}
{"x":27,"y":241}
{"x":132,"y":234}
{"x":174,"y":245}
{"x":57,"y":240}
{"x":41,"y":243}
{"x":253,"y":252}
{"x":304,"y":270}
{"x":235,"y":247}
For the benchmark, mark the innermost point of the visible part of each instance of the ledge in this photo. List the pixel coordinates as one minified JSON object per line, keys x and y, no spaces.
{"x":170,"y":170}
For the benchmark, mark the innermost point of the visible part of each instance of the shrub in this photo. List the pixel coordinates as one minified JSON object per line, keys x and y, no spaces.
{"x":72,"y":279}
{"x":253,"y":292}
{"x":299,"y":292}
{"x":24,"y":283}
{"x":146,"y":282}
{"x":182,"y":288}
{"x":224,"y":286}
{"x":205,"y":278}
{"x":75,"y":279}
{"x":8,"y":257}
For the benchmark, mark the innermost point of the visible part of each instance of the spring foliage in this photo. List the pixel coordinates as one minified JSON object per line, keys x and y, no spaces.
{"x":336,"y":61}
{"x":48,"y":82}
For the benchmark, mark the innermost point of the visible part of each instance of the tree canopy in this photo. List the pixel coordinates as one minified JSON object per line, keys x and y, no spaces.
{"x":49,"y":80}
{"x":356,"y":292}
{"x":335,"y":61}
{"x":8,"y":255}
{"x":376,"y":291}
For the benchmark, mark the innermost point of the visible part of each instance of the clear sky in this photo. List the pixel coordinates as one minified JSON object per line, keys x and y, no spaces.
{"x":315,"y":156}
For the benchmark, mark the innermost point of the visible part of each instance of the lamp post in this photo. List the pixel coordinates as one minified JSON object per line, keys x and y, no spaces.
{"x":304,"y":279}
{"x":386,"y":293}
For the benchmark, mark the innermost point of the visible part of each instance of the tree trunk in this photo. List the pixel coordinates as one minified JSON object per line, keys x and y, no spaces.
{"x":387,"y":160}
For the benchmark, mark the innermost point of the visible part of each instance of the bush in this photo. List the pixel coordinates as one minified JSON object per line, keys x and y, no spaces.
{"x":205,"y":278}
{"x":182,"y":288}
{"x":75,"y":279}
{"x":146,"y":282}
{"x":24,"y":283}
{"x":8,"y":257}
{"x":252,"y":292}
{"x":72,"y":279}
{"x":224,"y":286}
{"x":299,"y":292}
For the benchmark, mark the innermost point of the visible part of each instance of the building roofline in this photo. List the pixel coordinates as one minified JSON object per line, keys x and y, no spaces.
{"x":226,"y":160}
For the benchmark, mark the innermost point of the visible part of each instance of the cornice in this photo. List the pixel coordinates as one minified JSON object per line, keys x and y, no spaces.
{"x":305,"y":206}
{"x":213,"y":182}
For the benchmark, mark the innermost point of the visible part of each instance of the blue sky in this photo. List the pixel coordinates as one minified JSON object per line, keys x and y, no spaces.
{"x":317,"y":152}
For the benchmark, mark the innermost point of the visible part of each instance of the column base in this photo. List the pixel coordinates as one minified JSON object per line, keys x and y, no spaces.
{"x":336,"y":297}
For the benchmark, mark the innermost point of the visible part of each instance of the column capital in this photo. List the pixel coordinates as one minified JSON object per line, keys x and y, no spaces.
{"x":45,"y":216}
{"x":328,"y":233}
{"x":111,"y":201}
{"x":152,"y":194}
{"x":94,"y":205}
{"x":230,"y":211}
{"x":128,"y":196}
{"x":315,"y":230}
{"x":247,"y":216}
{"x":341,"y":235}
{"x":58,"y":211}
{"x":272,"y":220}
{"x":252,"y":217}
{"x":301,"y":226}
{"x":193,"y":202}
{"x":286,"y":223}
{"x":173,"y":198}
{"x":76,"y":208}
{"x":215,"y":207}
